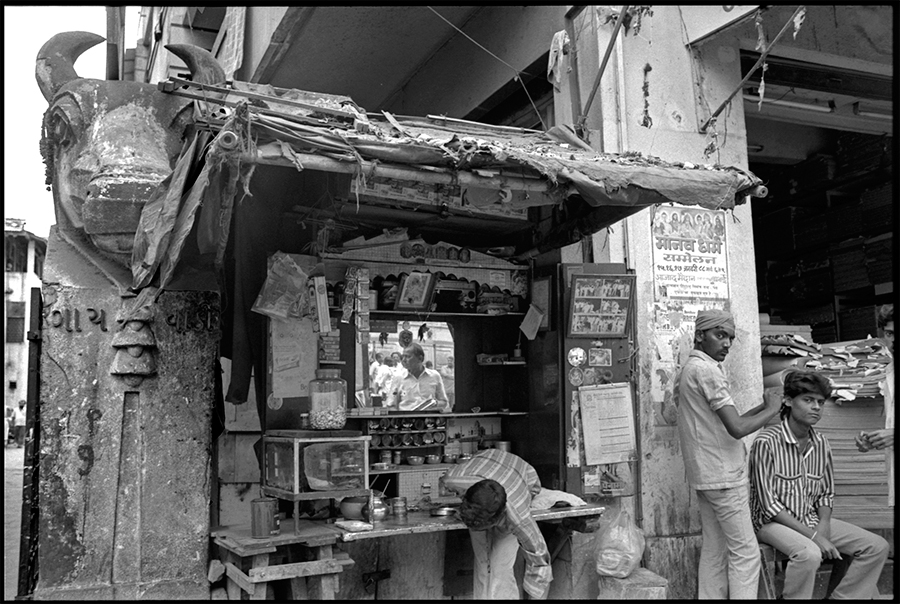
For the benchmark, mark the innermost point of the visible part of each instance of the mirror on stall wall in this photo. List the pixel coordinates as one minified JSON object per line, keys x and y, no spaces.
{"x":378,"y":382}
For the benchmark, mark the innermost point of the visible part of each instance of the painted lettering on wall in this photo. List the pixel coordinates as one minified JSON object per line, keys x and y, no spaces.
{"x":202,"y":318}
{"x":71,"y":319}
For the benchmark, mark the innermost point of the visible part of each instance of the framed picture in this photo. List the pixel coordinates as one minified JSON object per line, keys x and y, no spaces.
{"x":600,"y":305}
{"x":541,"y":289}
{"x":416,"y":290}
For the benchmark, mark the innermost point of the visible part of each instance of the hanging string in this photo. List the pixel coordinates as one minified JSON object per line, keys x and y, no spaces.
{"x":516,"y":71}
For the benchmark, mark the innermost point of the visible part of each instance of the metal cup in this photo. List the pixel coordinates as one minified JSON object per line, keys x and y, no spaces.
{"x":264,"y":521}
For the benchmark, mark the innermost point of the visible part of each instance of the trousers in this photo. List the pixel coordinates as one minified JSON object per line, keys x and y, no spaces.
{"x":495,"y":556}
{"x":867,"y":550}
{"x":729,"y":557}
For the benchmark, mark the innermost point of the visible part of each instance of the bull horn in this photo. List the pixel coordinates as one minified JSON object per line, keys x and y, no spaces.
{"x":55,"y":63}
{"x":204,"y":67}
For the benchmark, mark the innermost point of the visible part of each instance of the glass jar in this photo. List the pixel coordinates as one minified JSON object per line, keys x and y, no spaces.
{"x":328,"y":400}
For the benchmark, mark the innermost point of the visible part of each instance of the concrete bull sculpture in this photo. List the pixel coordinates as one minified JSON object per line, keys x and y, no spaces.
{"x":126,"y":391}
{"x":108,"y":144}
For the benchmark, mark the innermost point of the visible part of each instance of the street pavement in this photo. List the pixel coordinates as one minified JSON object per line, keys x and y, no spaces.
{"x":13,"y":462}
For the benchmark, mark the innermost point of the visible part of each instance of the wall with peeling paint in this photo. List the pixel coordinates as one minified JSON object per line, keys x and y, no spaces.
{"x":655,"y":94}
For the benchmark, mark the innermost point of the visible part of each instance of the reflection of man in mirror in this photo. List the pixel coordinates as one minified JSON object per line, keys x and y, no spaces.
{"x":422,"y":389}
{"x":448,"y":373}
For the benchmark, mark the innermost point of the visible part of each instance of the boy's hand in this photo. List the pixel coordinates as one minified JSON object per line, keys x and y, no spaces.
{"x":880,"y":439}
{"x":862,"y":442}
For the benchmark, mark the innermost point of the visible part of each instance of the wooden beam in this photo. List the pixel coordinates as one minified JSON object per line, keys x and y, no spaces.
{"x":298,"y":569}
{"x":292,"y":24}
{"x":242,"y":580}
{"x":327,"y":164}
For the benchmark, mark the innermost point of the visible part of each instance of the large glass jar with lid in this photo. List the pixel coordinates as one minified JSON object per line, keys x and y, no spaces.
{"x":328,"y":400}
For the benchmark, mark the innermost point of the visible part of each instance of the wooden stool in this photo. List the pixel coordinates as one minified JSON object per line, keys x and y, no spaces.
{"x":771,"y":556}
{"x":247,"y":560}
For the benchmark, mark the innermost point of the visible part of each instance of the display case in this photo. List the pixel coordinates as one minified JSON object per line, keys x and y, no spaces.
{"x":315,"y":464}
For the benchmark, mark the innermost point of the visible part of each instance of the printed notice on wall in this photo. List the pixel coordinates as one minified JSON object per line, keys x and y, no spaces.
{"x":689,"y":254}
{"x":607,"y":422}
{"x":293,"y":358}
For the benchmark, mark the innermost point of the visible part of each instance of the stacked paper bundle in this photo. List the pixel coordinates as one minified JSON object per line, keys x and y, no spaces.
{"x":783,"y":347}
{"x":854,"y":368}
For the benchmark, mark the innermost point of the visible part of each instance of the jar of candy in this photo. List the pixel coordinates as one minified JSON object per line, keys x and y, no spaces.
{"x":328,"y":400}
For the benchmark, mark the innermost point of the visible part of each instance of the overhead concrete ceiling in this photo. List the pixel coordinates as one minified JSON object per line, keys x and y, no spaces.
{"x":365,"y":52}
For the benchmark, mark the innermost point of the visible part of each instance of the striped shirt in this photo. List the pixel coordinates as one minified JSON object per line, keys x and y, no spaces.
{"x":782,"y":477}
{"x":521,"y":483}
{"x":713,"y":459}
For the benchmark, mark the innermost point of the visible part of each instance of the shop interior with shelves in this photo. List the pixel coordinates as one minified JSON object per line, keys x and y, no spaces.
{"x":825,"y":251}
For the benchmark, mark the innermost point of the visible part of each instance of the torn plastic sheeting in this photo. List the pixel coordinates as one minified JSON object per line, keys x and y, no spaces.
{"x":158,"y":219}
{"x":183,"y":224}
{"x":706,"y":188}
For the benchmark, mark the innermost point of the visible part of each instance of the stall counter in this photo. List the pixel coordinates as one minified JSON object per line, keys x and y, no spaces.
{"x":424,"y":522}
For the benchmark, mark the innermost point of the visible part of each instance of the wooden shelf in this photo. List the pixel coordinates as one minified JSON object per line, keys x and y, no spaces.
{"x":518,"y":363}
{"x":416,"y":414}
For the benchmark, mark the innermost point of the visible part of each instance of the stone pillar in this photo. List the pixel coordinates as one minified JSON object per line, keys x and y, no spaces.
{"x":125,"y":436}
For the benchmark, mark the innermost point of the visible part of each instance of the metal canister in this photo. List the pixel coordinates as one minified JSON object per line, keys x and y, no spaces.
{"x":397,"y":458}
{"x":398,"y":505}
{"x":386,"y":457}
{"x":264,"y":521}
{"x":503,"y":445}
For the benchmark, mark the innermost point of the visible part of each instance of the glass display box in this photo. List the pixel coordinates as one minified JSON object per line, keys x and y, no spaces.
{"x":315,"y":464}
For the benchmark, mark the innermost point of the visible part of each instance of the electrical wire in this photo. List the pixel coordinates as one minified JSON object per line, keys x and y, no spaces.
{"x":516,"y":71}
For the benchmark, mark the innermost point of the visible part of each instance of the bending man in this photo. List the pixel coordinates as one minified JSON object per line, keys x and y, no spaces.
{"x":497,"y":488}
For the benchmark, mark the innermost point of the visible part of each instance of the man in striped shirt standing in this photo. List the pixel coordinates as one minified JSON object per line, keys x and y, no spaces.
{"x":792,"y":495}
{"x":497,"y":488}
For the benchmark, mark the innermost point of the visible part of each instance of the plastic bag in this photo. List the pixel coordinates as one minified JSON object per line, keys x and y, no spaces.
{"x":620,"y":546}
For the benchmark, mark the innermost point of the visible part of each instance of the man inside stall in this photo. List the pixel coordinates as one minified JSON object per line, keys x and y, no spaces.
{"x":792,"y":496}
{"x":421,"y":389}
{"x":497,"y":489}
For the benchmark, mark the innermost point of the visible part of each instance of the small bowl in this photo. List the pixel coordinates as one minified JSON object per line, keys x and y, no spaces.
{"x":449,"y":458}
{"x":380,"y":466}
{"x":415,"y":460}
{"x":432,"y":459}
{"x":351,"y":507}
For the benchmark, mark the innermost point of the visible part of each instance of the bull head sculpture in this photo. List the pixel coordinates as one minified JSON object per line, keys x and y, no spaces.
{"x":108,"y":144}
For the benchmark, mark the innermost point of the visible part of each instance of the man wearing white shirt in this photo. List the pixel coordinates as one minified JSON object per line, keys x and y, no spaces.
{"x":422,"y":389}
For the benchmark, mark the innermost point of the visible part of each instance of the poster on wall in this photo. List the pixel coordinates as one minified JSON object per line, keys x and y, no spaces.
{"x":291,"y":362}
{"x":607,"y":421}
{"x":690,"y":274}
{"x":600,"y":305}
{"x":689,"y":254}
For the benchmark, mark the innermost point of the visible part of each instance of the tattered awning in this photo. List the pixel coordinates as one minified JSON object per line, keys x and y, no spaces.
{"x":482,"y":172}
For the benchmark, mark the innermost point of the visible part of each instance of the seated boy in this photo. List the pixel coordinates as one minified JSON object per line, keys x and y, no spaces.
{"x":792,"y":494}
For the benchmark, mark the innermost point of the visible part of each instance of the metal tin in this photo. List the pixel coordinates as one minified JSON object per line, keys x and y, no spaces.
{"x":399,"y":507}
{"x":385,"y":457}
{"x":503,"y":445}
{"x":264,"y":521}
{"x":397,"y":458}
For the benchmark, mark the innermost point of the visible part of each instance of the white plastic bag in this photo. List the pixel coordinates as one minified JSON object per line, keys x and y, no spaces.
{"x":620,"y":546}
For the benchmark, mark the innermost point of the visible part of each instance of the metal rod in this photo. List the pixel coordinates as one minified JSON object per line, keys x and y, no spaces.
{"x":759,"y":62}
{"x":609,"y":47}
